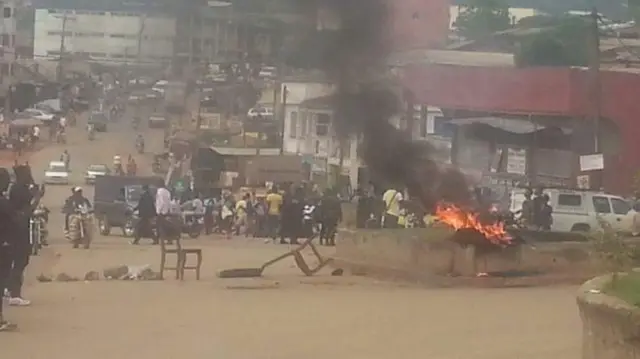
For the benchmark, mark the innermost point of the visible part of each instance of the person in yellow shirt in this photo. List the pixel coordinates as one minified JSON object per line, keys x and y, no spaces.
{"x":274,"y":205}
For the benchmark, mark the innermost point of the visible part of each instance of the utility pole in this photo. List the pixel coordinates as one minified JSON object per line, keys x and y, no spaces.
{"x":63,"y":36}
{"x":8,"y":111}
{"x":594,"y":93}
{"x":143,"y":20}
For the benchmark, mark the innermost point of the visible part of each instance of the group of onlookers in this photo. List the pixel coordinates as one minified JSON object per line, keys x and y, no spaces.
{"x":284,"y":215}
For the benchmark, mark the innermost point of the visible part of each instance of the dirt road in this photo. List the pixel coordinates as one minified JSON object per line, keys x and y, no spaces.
{"x":283,"y":315}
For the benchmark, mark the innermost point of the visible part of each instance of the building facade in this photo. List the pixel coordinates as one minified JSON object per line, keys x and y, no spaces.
{"x":104,"y":36}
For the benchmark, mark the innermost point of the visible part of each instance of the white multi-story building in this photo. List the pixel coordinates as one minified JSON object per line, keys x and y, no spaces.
{"x":8,"y":42}
{"x":104,"y":36}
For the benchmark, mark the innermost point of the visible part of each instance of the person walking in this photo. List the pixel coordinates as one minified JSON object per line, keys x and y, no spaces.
{"x":146,"y":213}
{"x":330,"y":217}
{"x":274,"y":203}
{"x":163,"y":211}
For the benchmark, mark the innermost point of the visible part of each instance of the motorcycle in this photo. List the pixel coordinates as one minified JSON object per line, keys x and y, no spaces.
{"x":80,"y":227}
{"x":192,"y":224}
{"x":136,"y":123}
{"x":91,"y":135}
{"x":61,"y":138}
{"x":38,"y":230}
{"x":140,"y":147}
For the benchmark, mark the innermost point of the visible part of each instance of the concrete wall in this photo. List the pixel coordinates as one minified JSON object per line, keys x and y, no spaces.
{"x":611,"y":327}
{"x":425,"y":255}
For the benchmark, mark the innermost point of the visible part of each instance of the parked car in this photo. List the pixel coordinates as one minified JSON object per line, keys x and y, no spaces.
{"x":260,"y":111}
{"x":37,"y":114}
{"x":56,"y":173}
{"x":99,"y":121}
{"x":578,"y":211}
{"x":114,"y":200}
{"x":94,"y":171}
{"x":158,"y":120}
{"x":268,"y":72}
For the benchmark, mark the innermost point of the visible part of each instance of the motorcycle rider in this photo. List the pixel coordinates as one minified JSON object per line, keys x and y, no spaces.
{"x":140,"y":143}
{"x":146,"y":209}
{"x":117,"y":165}
{"x":132,"y":166}
{"x":72,"y":203}
{"x":91,"y":131}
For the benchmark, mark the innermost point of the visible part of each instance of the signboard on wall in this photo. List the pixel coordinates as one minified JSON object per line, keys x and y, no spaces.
{"x":517,"y":161}
{"x":593,"y":162}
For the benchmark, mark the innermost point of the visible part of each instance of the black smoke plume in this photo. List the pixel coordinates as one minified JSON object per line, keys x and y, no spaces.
{"x":355,"y":58}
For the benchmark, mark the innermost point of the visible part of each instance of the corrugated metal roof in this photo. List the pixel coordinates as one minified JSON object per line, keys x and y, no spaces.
{"x":448,"y":57}
{"x":243,"y":151}
{"x":614,"y":9}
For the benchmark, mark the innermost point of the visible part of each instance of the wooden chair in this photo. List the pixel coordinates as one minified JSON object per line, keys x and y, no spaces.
{"x":182,"y":254}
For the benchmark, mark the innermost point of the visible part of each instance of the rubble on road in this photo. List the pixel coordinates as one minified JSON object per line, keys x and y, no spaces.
{"x":122,"y":272}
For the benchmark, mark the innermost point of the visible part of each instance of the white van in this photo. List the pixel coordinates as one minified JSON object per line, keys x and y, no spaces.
{"x":578,"y":211}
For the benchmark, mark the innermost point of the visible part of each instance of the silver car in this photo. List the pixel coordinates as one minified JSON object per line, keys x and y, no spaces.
{"x":94,"y":171}
{"x":56,"y":173}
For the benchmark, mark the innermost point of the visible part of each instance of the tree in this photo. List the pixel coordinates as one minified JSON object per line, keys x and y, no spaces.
{"x":564,"y":41}
{"x":481,"y":18}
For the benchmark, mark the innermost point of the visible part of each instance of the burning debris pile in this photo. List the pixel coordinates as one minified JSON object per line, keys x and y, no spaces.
{"x":355,"y":58}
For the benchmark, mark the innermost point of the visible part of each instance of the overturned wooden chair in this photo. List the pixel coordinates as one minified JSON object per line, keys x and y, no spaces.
{"x":182,"y":256}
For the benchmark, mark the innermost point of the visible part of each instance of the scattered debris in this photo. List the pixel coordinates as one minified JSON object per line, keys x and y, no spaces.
{"x":44,"y":279}
{"x":116,"y":272}
{"x":92,"y":276}
{"x":64,"y":277}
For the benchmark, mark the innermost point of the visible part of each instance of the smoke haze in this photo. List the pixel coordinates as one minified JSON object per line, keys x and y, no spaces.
{"x":355,"y":59}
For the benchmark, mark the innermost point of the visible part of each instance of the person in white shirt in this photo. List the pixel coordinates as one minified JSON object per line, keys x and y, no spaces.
{"x":36,"y":134}
{"x":163,"y":209}
{"x":63,"y":122}
{"x":393,"y":204}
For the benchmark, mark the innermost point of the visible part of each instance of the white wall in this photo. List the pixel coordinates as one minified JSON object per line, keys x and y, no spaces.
{"x":103,"y":35}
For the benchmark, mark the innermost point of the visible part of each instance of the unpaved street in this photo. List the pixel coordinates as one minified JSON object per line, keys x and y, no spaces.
{"x":281,"y":316}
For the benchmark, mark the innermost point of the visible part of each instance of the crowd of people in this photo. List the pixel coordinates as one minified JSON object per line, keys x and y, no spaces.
{"x":282,"y":215}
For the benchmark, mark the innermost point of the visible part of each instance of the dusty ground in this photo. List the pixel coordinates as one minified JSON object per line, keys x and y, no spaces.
{"x":283,"y":315}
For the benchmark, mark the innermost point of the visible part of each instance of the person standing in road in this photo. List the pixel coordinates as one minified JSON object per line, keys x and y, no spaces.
{"x":392,"y":199}
{"x":146,"y":212}
{"x":163,"y":211}
{"x":8,"y":228}
{"x":274,"y":205}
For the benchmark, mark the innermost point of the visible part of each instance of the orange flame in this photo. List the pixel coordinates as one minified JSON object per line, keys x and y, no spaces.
{"x":459,"y":218}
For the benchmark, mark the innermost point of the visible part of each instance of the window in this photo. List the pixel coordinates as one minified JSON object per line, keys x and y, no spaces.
{"x":322,"y":124}
{"x":5,"y":39}
{"x":620,"y":206}
{"x":303,"y":124}
{"x":572,"y":200}
{"x":293,"y":125}
{"x":601,"y":204}
{"x":7,"y":12}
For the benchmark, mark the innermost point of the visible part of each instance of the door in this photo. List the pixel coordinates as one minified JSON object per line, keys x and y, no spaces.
{"x":624,"y":214}
{"x":602,"y":207}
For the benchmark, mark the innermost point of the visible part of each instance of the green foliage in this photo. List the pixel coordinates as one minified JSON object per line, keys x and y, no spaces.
{"x":482,"y":18}
{"x":563,"y":42}
{"x":616,"y":254}
{"x":634,"y":9}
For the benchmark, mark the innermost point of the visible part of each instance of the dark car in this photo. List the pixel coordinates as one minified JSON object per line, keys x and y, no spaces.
{"x":115,"y":198}
{"x":99,"y":121}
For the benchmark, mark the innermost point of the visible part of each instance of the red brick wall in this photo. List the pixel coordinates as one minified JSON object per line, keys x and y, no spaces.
{"x":418,"y":23}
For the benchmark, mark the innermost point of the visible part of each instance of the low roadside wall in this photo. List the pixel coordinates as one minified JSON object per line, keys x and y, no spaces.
{"x":425,"y":254}
{"x":610,"y":326}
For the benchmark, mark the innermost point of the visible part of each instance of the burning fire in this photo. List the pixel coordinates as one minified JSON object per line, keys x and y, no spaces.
{"x":459,"y":218}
